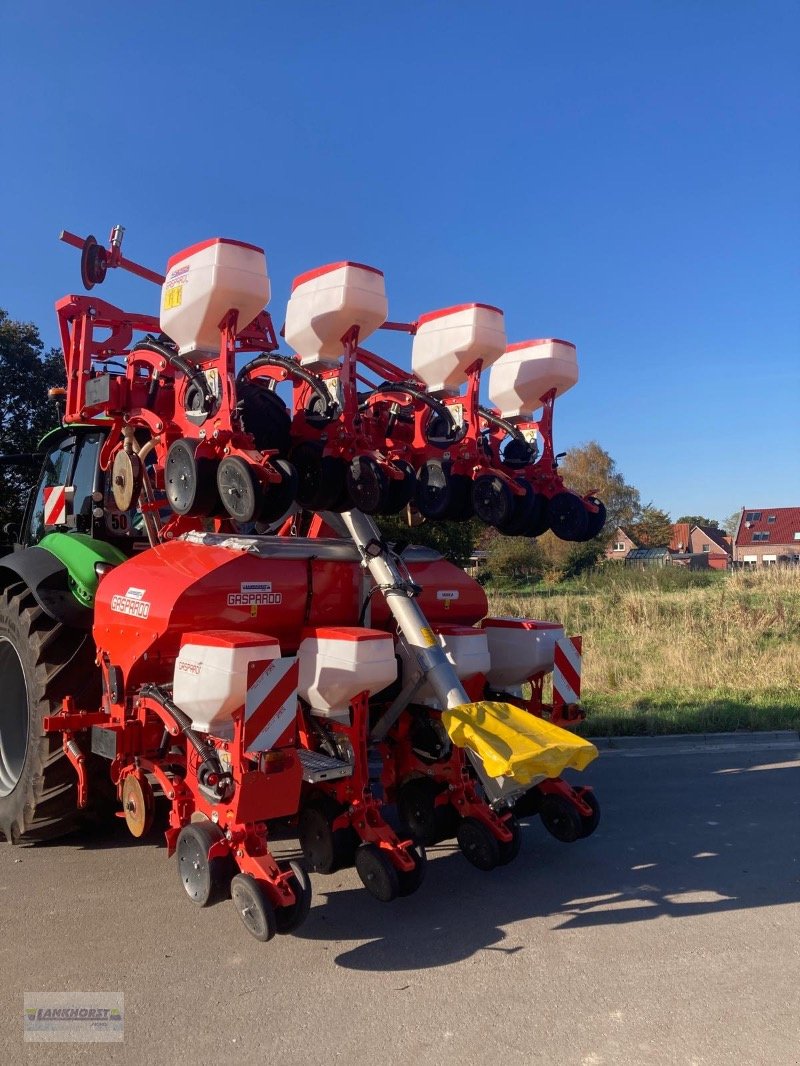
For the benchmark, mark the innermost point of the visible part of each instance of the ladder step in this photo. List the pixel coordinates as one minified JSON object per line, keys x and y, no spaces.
{"x":318,"y":767}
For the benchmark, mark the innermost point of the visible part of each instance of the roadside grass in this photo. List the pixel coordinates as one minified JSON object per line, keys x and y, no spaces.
{"x":671,"y":652}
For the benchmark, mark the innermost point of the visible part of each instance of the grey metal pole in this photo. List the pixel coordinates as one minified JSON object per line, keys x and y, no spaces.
{"x":418,"y":635}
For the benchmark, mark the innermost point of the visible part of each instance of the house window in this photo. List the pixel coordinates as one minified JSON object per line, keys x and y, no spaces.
{"x":753,"y":516}
{"x":769,"y":560}
{"x":760,"y":536}
{"x":797,"y":536}
{"x":771,"y":518}
{"x":706,"y":547}
{"x":620,"y":547}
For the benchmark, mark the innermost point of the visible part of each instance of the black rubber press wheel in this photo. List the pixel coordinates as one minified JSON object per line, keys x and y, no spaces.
{"x":254,"y":907}
{"x":239,"y":489}
{"x":190,"y":483}
{"x":204,"y":880}
{"x":568,"y":517}
{"x":325,"y":849}
{"x":478,"y":844}
{"x":287,"y":919}
{"x":377,"y":872}
{"x":561,"y":819}
{"x":367,"y":485}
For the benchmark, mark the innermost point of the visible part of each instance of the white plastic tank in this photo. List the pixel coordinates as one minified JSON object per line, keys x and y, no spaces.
{"x":339,"y":662}
{"x":467,"y":651}
{"x":204,"y":283}
{"x":447,"y":342}
{"x":529,"y":369}
{"x":519,"y":648}
{"x":210,"y":679}
{"x":327,"y":302}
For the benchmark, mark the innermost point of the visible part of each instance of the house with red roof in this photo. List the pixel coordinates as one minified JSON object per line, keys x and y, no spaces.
{"x":767,"y":536}
{"x":713,"y":544}
{"x":680,"y":537}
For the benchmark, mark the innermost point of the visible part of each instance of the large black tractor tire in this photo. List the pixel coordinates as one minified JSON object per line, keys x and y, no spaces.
{"x":41,"y":661}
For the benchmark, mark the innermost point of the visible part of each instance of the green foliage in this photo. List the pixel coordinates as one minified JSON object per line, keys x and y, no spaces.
{"x":652,"y":528}
{"x":26,"y":413}
{"x":455,"y":540}
{"x":731,"y":523}
{"x":510,"y":559}
{"x":590,"y":468}
{"x":699,"y":520}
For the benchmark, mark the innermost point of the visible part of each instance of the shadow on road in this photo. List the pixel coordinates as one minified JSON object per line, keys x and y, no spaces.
{"x":678,"y":838}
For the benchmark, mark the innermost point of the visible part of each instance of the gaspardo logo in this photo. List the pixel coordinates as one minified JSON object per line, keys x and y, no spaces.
{"x":131,"y":605}
{"x":255,"y":594}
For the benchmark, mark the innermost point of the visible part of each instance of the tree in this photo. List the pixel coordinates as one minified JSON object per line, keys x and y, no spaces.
{"x":455,"y":540}
{"x":590,"y":468}
{"x":26,"y":413}
{"x":514,"y":558}
{"x":699,"y":520}
{"x":652,"y":528}
{"x":731,"y":523}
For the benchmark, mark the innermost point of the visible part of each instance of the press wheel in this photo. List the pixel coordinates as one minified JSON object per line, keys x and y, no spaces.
{"x":253,"y":907}
{"x":239,"y":489}
{"x":478,"y":844}
{"x":287,"y":919}
{"x":492,"y":499}
{"x":567,"y":516}
{"x":204,"y":880}
{"x":190,"y":482}
{"x":367,"y":485}
{"x":377,"y":872}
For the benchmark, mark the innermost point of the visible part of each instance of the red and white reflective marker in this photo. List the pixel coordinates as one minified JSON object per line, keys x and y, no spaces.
{"x":270,"y":708}
{"x":55,"y":505}
{"x":567,"y":671}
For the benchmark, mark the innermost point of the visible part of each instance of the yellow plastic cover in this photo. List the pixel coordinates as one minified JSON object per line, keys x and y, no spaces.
{"x":513,"y":743}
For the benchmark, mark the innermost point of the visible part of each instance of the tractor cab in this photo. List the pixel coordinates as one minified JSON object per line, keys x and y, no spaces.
{"x":74,"y":495}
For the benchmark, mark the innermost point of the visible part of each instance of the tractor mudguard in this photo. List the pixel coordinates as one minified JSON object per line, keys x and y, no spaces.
{"x":60,"y":573}
{"x":48,"y":579}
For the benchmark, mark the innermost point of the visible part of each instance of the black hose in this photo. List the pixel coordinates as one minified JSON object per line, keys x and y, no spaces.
{"x":197,"y":378}
{"x":435,"y":405}
{"x":207,"y":753}
{"x":292,"y":367}
{"x":501,"y":423}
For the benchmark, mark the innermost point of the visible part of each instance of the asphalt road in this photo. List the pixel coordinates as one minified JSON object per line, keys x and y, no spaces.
{"x":670,"y":936}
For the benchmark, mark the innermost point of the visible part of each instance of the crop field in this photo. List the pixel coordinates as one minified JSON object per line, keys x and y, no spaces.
{"x":671,"y":651}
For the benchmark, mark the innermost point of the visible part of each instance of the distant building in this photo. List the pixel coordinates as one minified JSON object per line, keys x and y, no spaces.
{"x":767,"y":536}
{"x":713,"y":543}
{"x":619,"y":546}
{"x":643,"y":558}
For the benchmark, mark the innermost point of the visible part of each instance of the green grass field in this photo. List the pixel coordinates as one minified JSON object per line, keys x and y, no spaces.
{"x":671,"y":651}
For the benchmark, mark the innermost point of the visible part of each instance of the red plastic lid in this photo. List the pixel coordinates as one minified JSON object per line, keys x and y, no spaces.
{"x":228,"y":638}
{"x":429,"y":316}
{"x":517,"y":623}
{"x":180,"y":256}
{"x":355,"y":633}
{"x":309,"y":275}
{"x":531,"y":344}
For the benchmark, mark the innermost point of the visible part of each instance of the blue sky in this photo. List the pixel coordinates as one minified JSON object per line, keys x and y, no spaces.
{"x":622,"y":174}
